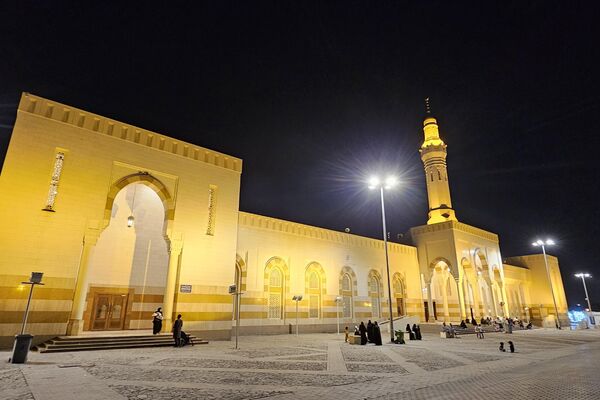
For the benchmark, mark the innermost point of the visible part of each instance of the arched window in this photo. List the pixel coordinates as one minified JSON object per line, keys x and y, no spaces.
{"x":375,"y":296}
{"x":314,"y":278}
{"x":347,"y":295}
{"x":314,"y":299}
{"x":399,"y":295}
{"x":275,"y":293}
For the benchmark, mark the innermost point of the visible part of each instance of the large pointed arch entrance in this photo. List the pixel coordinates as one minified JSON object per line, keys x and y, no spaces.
{"x":129,"y":261}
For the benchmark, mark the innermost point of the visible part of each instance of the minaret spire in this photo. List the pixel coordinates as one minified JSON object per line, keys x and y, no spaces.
{"x":427,"y":106}
{"x":433,"y":154}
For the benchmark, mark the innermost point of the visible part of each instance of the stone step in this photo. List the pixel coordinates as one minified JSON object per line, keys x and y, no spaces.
{"x":68,"y":343}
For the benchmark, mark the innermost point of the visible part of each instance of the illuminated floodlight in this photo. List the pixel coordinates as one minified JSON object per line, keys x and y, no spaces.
{"x":390,"y":182}
{"x":580,"y":275}
{"x":374,"y":182}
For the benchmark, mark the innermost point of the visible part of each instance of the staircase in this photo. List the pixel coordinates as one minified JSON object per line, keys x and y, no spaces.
{"x":88,"y":343}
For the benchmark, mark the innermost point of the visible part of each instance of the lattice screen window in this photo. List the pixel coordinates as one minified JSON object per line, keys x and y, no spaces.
{"x":313,"y":282}
{"x":53,"y":190}
{"x":375,"y":306}
{"x":275,"y":292}
{"x":275,"y":305}
{"x":347,"y":311}
{"x":212,"y":209}
{"x":346,"y":282}
{"x":313,"y":311}
{"x":275,"y":278}
{"x":375,"y":295}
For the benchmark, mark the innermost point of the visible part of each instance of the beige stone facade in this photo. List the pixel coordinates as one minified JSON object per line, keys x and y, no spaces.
{"x":72,"y":181}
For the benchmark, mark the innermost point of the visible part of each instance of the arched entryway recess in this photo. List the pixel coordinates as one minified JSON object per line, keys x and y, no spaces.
{"x":173,"y":242}
{"x":445,"y":302}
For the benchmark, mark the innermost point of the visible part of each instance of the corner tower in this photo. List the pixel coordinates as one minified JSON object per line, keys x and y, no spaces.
{"x":433,"y":155}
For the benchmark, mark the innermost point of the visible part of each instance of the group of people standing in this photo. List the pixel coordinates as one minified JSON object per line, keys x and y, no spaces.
{"x":179,"y":336}
{"x":369,"y":333}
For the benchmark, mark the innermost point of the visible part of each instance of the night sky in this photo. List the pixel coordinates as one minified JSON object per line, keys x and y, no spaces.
{"x":315,"y":96}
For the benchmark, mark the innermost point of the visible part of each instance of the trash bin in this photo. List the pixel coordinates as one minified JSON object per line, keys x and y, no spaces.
{"x":21,"y":348}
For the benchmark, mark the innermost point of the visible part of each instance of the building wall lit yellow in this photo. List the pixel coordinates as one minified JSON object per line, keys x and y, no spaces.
{"x":71,"y":180}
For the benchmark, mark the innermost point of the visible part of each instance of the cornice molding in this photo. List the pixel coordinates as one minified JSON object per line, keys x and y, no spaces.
{"x":459,"y":226}
{"x":35,"y":105}
{"x":254,"y":221}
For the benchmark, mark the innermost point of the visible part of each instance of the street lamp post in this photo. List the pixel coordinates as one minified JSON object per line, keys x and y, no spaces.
{"x":338,"y":300}
{"x":543,"y":244}
{"x":297,"y":299}
{"x":390,"y":182}
{"x":587,"y":298}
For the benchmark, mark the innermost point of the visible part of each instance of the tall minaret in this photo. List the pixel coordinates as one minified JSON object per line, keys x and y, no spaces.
{"x":433,"y":154}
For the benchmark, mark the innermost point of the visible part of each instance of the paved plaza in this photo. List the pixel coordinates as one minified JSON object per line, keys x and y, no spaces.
{"x":548,"y":364}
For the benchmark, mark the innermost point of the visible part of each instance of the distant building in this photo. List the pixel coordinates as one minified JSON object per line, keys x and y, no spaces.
{"x":122,"y":220}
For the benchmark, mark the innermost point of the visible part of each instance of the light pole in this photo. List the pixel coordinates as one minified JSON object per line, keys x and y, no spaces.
{"x":543,"y":244}
{"x":390,"y":182}
{"x":587,"y":298}
{"x":338,"y":300}
{"x":297,"y":298}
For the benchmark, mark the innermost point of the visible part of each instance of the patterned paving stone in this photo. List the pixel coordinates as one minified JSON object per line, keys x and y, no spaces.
{"x":478,"y":357}
{"x":272,"y":352}
{"x":243,"y":364}
{"x":426,"y":359}
{"x":136,"y":392}
{"x":364,"y":353}
{"x":312,"y":357}
{"x":376,"y":368}
{"x":13,"y":385}
{"x":224,"y":377}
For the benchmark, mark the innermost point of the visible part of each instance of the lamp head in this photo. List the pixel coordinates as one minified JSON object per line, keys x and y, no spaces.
{"x":390,"y":182}
{"x":374,"y":182}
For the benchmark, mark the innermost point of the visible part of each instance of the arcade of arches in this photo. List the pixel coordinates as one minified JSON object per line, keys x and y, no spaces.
{"x":122,"y":220}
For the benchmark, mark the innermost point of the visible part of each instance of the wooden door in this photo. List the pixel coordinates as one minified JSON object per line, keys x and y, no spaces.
{"x":400,"y":305}
{"x":109,"y":312}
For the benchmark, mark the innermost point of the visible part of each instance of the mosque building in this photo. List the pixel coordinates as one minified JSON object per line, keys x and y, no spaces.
{"x":122,"y":220}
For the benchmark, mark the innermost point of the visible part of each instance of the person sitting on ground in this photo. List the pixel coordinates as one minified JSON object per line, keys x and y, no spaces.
{"x":463,"y":325}
{"x":356,"y":331}
{"x":502,"y":347}
{"x":530,"y":326}
{"x":511,"y":346}
{"x":521,"y":324}
{"x":452,"y":331}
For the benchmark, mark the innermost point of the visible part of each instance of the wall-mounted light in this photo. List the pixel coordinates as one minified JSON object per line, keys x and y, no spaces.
{"x":131,"y":219}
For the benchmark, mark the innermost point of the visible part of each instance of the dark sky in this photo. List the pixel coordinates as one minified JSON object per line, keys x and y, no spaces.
{"x":314,"y":96}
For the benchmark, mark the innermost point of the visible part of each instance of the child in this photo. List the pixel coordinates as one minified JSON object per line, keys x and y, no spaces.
{"x":502,"y":347}
{"x":511,"y":346}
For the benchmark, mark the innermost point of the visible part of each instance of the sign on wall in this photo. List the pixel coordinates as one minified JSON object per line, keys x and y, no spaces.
{"x":185,"y":288}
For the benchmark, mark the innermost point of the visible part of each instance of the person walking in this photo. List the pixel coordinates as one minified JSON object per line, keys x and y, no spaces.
{"x":157,"y":319}
{"x":346,"y":334}
{"x":370,"y":331}
{"x":177,"y":325}
{"x":363,"y":333}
